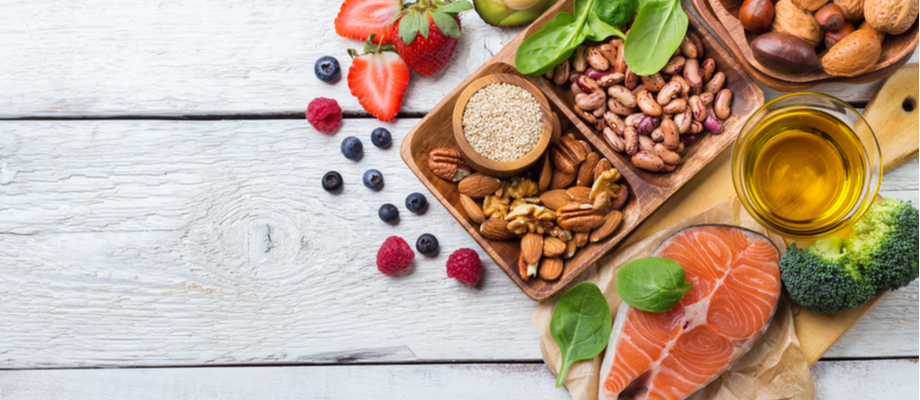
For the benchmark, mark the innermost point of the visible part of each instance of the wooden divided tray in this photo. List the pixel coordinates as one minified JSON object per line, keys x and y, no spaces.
{"x":647,"y":190}
{"x":722,"y":18}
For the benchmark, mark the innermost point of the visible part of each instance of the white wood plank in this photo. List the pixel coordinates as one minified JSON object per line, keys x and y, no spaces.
{"x":194,"y":57}
{"x":875,"y":379}
{"x":152,"y":243}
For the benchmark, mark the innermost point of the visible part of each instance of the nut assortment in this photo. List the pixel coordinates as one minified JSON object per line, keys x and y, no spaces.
{"x":652,"y":118}
{"x":573,"y":198}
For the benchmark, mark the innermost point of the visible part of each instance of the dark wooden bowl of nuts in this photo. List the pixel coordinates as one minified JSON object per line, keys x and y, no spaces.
{"x":597,"y":181}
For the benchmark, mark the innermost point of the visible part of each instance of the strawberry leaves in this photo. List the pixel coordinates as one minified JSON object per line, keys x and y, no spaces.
{"x":413,"y":20}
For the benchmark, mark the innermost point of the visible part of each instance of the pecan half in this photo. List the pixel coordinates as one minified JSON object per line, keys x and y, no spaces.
{"x":566,"y":154}
{"x":578,"y":217}
{"x":447,"y":164}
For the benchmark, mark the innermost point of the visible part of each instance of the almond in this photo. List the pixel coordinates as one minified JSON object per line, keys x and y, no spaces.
{"x":562,"y":180}
{"x":586,"y":170}
{"x":555,"y":199}
{"x":611,"y":223}
{"x":546,"y":174}
{"x":581,"y":239}
{"x":478,"y":185}
{"x":473,"y":211}
{"x":551,"y":268}
{"x":532,"y":248}
{"x":602,"y":165}
{"x":495,"y":229}
{"x":526,"y":270}
{"x":570,"y":249}
{"x":579,"y":194}
{"x":553,"y":247}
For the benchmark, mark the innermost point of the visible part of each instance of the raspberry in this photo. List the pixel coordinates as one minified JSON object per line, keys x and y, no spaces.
{"x":464,"y":265}
{"x":394,"y":255}
{"x":324,"y":114}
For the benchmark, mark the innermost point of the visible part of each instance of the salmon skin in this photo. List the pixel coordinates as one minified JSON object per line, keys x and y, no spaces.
{"x":671,"y":355}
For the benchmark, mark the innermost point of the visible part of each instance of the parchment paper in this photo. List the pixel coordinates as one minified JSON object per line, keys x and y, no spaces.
{"x":775,"y":368}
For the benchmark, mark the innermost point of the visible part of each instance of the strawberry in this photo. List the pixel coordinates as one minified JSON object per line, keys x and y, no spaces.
{"x":378,"y":78}
{"x":358,"y":19}
{"x":425,"y":34}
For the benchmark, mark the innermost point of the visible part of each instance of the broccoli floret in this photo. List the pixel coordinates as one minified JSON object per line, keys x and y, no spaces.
{"x":884,"y":244}
{"x":835,"y":274}
{"x":821,"y":278}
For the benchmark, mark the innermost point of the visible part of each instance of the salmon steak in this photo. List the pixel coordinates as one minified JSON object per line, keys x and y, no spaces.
{"x":671,"y":355}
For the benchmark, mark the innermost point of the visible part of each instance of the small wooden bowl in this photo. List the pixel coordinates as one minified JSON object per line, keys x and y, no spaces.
{"x":722,"y":17}
{"x":501,"y":169}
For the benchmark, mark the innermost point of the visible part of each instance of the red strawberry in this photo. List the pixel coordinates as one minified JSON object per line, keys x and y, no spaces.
{"x":358,"y":19}
{"x":426,"y":34}
{"x":378,"y":78}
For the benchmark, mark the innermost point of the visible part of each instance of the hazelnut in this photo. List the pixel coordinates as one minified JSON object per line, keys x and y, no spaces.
{"x":756,"y":15}
{"x":831,"y":38}
{"x":830,"y":18}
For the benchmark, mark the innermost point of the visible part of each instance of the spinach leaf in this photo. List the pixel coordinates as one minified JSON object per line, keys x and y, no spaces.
{"x":656,"y":33}
{"x":551,"y":45}
{"x":600,"y":30}
{"x":581,"y":325}
{"x":616,"y":12}
{"x":653,"y":284}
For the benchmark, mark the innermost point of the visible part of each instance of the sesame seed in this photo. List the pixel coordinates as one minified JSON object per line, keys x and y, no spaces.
{"x":502,"y":122}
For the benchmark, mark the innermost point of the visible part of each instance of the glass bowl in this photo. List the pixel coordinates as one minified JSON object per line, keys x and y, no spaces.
{"x":833,"y":198}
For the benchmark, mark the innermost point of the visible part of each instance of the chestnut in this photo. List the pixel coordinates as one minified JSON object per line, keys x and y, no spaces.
{"x":830,"y":17}
{"x":831,"y":38}
{"x":756,"y":15}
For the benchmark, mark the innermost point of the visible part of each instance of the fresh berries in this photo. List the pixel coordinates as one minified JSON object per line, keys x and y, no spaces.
{"x":388,"y":213}
{"x":332,"y":181}
{"x":324,"y":114}
{"x":327,"y":69}
{"x":352,"y":148}
{"x":381,"y":138}
{"x":373,"y":179}
{"x":464,"y":265}
{"x":378,"y":78}
{"x":417,"y":203}
{"x":359,"y":19}
{"x":395,"y":255}
{"x":426,"y":34}
{"x":427,"y":244}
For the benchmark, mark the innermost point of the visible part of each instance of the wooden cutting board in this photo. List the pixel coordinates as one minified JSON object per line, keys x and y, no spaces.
{"x":892,"y":114}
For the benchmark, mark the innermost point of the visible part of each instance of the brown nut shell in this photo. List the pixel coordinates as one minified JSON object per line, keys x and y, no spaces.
{"x":797,"y":22}
{"x":473,"y":211}
{"x":495,"y":229}
{"x":611,"y":223}
{"x":831,"y":38}
{"x":830,"y":18}
{"x":756,"y":15}
{"x":852,"y":9}
{"x":478,"y":185}
{"x":854,"y":54}
{"x":784,"y":52}
{"x":447,"y":164}
{"x":810,"y":5}
{"x":893,"y":17}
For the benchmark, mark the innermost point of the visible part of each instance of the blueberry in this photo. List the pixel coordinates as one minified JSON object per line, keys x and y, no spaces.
{"x":332,"y":181}
{"x":373,"y":179}
{"x":388,"y":213}
{"x":327,"y":69}
{"x":352,"y":148}
{"x":381,"y":138}
{"x":427,"y":244}
{"x":416,"y":202}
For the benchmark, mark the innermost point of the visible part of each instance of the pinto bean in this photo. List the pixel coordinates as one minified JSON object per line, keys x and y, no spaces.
{"x":576,"y":89}
{"x":647,"y":124}
{"x":671,"y":134}
{"x":708,"y":67}
{"x":697,"y":108}
{"x":615,"y":122}
{"x":590,"y":101}
{"x":631,"y":80}
{"x":561,"y":73}
{"x":684,"y":86}
{"x":609,"y":52}
{"x":646,"y":143}
{"x":549,"y":75}
{"x":687,"y":48}
{"x":586,"y":84}
{"x":620,"y":65}
{"x":597,"y":60}
{"x":674,"y":65}
{"x":683,"y":121}
{"x":631,"y":138}
{"x":695,"y":39}
{"x":623,"y":95}
{"x":707,"y":98}
{"x":618,"y":108}
{"x":723,"y":106}
{"x":715,"y":84}
{"x":579,"y":62}
{"x":647,"y":103}
{"x":668,"y":92}
{"x":653,"y":82}
{"x":647,"y":161}
{"x":585,"y":115}
{"x":657,"y":135}
{"x":600,"y":111}
{"x":680,"y":148}
{"x":667,"y":155}
{"x":634,"y":119}
{"x":616,"y":142}
{"x":668,"y":168}
{"x":712,"y":124}
{"x":692,"y":73}
{"x":610,"y":79}
{"x":696,"y":127}
{"x":675,"y":106}
{"x":689,"y":139}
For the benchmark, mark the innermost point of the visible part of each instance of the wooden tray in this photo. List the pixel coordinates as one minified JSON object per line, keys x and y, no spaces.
{"x":722,"y":18}
{"x":647,"y":190}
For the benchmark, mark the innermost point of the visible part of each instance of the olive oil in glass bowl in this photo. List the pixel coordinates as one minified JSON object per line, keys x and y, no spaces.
{"x":806,"y":165}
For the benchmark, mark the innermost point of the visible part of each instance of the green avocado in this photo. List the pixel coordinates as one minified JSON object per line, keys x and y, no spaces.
{"x":496,"y":13}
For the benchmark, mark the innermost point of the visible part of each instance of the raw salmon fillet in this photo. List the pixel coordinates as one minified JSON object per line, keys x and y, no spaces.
{"x":736,"y":287}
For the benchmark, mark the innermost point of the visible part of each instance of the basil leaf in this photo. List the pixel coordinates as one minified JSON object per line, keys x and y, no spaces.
{"x":616,"y":12}
{"x":656,"y":33}
{"x":580,"y":325}
{"x":653,"y":284}
{"x":600,"y":30}
{"x":553,"y":44}
{"x":446,"y":24}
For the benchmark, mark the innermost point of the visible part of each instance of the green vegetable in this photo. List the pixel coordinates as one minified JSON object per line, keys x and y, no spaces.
{"x":581,"y":325}
{"x":836,"y":274}
{"x":657,"y":32}
{"x":556,"y":41}
{"x":413,"y":20}
{"x":653,"y":284}
{"x":616,"y":12}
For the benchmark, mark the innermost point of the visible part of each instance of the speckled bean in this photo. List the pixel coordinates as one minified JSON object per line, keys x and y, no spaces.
{"x":696,"y":127}
{"x":657,"y":135}
{"x":680,"y":148}
{"x":609,"y":52}
{"x":615,"y":122}
{"x":587,"y":116}
{"x":561,"y":73}
{"x":620,"y":66}
{"x":723,"y":105}
{"x":576,"y":89}
{"x":687,"y":48}
{"x":653,"y":82}
{"x":671,"y":134}
{"x":647,"y":124}
{"x":631,"y":139}
{"x":708,"y":67}
{"x":590,"y":101}
{"x":647,"y":161}
{"x":647,"y":103}
{"x":618,"y":108}
{"x":634,"y":119}
{"x":692,"y":73}
{"x":646,"y":143}
{"x":697,"y":108}
{"x":600,"y":111}
{"x":674,"y":65}
{"x":697,"y":43}
{"x":610,"y":79}
{"x":616,"y":142}
{"x":689,"y":139}
{"x":667,"y":155}
{"x":675,"y":106}
{"x":684,"y":86}
{"x":548,"y":75}
{"x":597,"y":60}
{"x":715,"y":84}
{"x":683,"y":121}
{"x":668,"y":92}
{"x":707,"y":98}
{"x":631,"y":80}
{"x":623,"y":95}
{"x":586,"y":84}
{"x":668,"y":168}
{"x":712,"y":124}
{"x":579,"y":62}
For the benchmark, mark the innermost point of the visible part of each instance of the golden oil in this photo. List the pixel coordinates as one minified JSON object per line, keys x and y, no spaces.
{"x":808,"y":171}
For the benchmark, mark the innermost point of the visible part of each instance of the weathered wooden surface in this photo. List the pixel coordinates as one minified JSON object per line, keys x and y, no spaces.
{"x":194,"y":57}
{"x":146,"y":243}
{"x":872,"y":379}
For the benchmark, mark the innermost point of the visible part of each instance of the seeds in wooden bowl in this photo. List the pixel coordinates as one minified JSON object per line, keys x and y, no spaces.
{"x":502,"y":122}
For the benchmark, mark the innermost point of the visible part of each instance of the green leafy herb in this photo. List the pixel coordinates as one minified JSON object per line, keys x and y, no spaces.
{"x":580,"y":325}
{"x":616,"y":12}
{"x":413,"y":20}
{"x":655,"y":35}
{"x":653,"y":284}
{"x":556,"y":41}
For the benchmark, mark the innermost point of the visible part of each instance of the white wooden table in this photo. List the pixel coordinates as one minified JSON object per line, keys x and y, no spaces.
{"x":163,"y":233}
